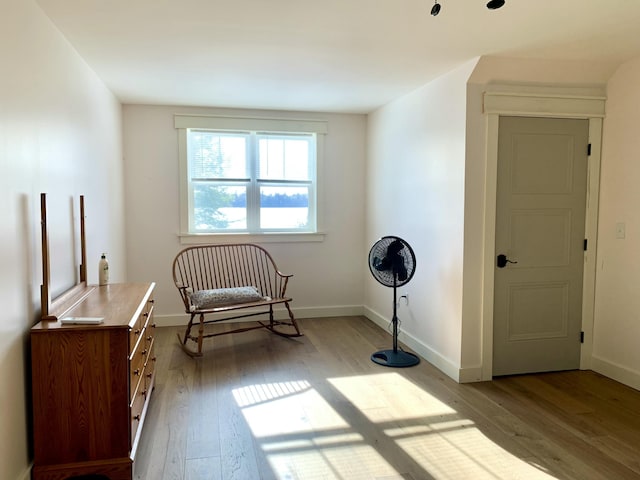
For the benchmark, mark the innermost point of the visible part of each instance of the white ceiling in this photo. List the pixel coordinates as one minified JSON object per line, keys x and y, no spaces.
{"x":334,"y":55}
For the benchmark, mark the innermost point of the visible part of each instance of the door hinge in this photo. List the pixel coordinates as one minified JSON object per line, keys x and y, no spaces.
{"x":581,"y":337}
{"x":589,"y":150}
{"x":585,"y":245}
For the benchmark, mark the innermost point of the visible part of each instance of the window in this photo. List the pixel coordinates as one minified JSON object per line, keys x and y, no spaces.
{"x":257,"y":179}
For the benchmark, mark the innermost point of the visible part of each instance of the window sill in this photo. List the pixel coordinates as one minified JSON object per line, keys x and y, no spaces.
{"x":276,"y":237}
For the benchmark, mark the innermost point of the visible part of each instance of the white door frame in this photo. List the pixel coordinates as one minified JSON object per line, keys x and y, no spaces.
{"x":545,"y":105}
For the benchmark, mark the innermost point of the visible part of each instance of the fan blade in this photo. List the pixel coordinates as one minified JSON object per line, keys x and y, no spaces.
{"x":381,"y":265}
{"x":401,"y":271}
{"x":395,"y":260}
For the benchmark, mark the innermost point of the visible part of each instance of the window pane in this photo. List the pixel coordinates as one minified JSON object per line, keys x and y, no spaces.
{"x":284,"y":207}
{"x":217,"y":155}
{"x":248,"y":181}
{"x":218,"y":207}
{"x":284,"y":158}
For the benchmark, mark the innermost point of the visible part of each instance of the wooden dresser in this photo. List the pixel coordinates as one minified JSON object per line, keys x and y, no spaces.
{"x":92,"y":384}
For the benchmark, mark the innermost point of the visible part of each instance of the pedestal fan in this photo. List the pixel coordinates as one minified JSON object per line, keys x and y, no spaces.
{"x":393,"y":263}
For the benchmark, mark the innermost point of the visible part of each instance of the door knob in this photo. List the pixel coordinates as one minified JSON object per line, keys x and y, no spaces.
{"x":502,"y":261}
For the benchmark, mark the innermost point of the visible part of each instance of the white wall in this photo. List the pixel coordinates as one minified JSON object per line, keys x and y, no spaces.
{"x":327,"y":275}
{"x":426,"y":181}
{"x":415,"y":190}
{"x":474,"y":237}
{"x":616,"y":347}
{"x":60,"y":133}
{"x":572,"y":75}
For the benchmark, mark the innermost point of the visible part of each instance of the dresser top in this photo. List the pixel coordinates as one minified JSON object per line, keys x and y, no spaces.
{"x":118,"y":304}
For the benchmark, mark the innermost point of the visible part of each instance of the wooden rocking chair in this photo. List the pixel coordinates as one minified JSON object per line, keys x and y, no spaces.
{"x":229,"y":282}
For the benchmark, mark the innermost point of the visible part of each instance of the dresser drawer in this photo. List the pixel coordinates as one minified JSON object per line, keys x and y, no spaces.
{"x":137,"y":406}
{"x":143,"y":320}
{"x":136,"y":365}
{"x":149,"y":335}
{"x":150,"y":367}
{"x":149,"y":307}
{"x":136,"y":332}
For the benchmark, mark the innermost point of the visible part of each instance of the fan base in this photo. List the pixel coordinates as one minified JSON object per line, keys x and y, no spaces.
{"x":397,"y":358}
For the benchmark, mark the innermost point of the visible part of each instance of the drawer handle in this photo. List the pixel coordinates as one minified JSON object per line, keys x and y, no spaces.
{"x":153,"y":325}
{"x":136,"y":372}
{"x":149,"y":338}
{"x":136,"y":332}
{"x":153,"y":359}
{"x":152,"y":301}
{"x":149,"y":375}
{"x":145,"y":314}
{"x":136,"y":417}
{"x":144,"y":352}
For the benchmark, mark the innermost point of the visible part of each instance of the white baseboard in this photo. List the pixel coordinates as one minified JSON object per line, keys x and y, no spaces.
{"x":461,"y":375}
{"x":26,"y":474}
{"x":424,"y":351}
{"x":470,"y":374}
{"x":617,"y":372}
{"x":181,"y":319}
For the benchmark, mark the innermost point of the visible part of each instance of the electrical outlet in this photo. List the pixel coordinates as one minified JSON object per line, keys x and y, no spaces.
{"x":405,"y":295}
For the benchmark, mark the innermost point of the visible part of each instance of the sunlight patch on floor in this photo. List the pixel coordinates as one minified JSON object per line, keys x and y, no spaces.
{"x":432,"y":434}
{"x":304,"y":438}
{"x":254,"y":394}
{"x":391,"y":392}
{"x":370,"y":427}
{"x":466,"y":453}
{"x":352,"y":462}
{"x":302,"y":407}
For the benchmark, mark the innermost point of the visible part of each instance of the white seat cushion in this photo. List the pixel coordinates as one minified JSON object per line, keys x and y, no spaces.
{"x":222,"y":297}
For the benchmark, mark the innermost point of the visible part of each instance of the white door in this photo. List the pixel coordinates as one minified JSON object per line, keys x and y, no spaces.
{"x":540,"y":222}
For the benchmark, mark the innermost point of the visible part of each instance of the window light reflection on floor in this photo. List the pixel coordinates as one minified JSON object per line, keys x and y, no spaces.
{"x":395,"y":429}
{"x":314,"y":441}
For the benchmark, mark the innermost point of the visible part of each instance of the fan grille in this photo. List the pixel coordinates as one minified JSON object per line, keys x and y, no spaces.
{"x":392,"y":261}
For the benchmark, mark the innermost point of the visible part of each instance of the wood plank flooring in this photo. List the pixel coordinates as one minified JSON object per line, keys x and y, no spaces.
{"x":262,"y":407}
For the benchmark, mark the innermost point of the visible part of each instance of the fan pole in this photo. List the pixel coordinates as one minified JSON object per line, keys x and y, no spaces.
{"x":394,"y":320}
{"x":395,"y":357}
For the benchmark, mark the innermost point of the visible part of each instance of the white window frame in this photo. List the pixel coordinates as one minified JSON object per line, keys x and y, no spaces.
{"x":184,"y":122}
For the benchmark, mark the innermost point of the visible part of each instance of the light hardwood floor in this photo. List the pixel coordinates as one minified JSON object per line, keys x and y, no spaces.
{"x":259,"y":406}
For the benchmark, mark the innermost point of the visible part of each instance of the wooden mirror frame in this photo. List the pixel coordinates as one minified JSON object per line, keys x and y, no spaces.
{"x":51,"y":310}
